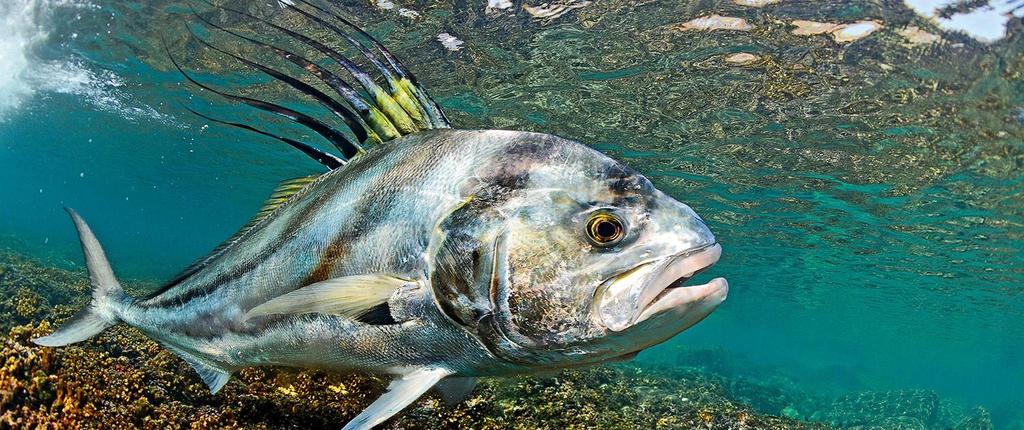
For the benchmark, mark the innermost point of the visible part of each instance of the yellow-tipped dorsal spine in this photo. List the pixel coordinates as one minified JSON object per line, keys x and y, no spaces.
{"x":395,"y":112}
{"x":373,"y":138}
{"x":381,"y":125}
{"x":405,"y":97}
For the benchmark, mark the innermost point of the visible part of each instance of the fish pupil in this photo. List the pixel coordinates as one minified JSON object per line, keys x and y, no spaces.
{"x":604,"y":229}
{"x":607,"y":230}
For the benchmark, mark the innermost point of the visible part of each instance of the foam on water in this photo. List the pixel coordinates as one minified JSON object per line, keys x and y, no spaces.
{"x":986,"y":23}
{"x":22,"y":20}
{"x":24,"y":75}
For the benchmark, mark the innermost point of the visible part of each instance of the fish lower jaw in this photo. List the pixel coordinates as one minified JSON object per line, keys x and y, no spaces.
{"x":692,"y":299}
{"x":643,"y":290}
{"x":681,"y":298}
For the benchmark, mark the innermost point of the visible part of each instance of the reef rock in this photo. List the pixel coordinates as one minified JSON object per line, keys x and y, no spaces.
{"x":872,"y":409}
{"x":977,"y":419}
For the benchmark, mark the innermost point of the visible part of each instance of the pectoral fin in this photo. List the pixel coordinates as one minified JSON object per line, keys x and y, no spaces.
{"x":350,"y":296}
{"x":403,"y":391}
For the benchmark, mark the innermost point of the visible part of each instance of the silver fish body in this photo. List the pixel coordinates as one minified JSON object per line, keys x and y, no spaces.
{"x":437,"y":256}
{"x":378,"y":215}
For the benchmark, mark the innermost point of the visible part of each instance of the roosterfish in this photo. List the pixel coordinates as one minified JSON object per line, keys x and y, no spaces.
{"x":430,"y":254}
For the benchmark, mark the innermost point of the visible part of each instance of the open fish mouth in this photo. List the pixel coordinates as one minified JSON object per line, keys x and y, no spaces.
{"x":660,"y":287}
{"x":677,"y":294}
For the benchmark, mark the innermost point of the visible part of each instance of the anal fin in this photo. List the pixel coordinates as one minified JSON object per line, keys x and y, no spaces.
{"x":213,"y":376}
{"x":401,"y":393}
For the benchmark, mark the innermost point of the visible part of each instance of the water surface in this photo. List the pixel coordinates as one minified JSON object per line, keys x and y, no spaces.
{"x":869,"y":195}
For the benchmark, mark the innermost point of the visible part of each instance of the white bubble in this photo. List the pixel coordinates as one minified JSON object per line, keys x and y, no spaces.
{"x":985,"y":22}
{"x":450,"y":42}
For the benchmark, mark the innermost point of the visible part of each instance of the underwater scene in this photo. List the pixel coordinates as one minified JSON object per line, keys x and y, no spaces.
{"x":859,"y":165}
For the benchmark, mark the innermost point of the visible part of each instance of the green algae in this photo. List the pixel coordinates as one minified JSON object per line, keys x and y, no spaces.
{"x":121,"y":379}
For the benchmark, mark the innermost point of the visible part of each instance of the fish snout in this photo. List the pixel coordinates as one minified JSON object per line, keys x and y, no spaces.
{"x":679,"y":222}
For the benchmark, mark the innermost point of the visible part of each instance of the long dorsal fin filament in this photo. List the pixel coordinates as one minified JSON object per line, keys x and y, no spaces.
{"x":365,"y":127}
{"x":335,"y":137}
{"x":374,"y":114}
{"x":329,"y":160}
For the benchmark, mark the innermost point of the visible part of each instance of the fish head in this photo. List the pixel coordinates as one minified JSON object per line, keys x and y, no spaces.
{"x":571,"y":257}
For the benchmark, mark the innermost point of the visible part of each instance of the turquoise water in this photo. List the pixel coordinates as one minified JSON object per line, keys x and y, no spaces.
{"x":869,"y":196}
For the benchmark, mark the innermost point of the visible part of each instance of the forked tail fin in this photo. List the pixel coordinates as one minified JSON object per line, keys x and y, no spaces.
{"x":107,"y":295}
{"x":108,"y":301}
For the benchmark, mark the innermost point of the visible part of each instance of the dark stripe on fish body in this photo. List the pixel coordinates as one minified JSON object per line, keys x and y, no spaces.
{"x":236,"y":272}
{"x":615,"y":170}
{"x":414,"y":167}
{"x":622,"y":179}
{"x":335,"y":251}
{"x":341,"y":245}
{"x":378,"y":315}
{"x":512,"y":172}
{"x":530,"y":150}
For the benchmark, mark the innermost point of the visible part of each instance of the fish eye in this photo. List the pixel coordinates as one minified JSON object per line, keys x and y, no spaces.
{"x":605,"y":229}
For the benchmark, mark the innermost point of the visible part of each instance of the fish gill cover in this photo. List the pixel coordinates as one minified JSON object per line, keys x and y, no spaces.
{"x":860,"y":162}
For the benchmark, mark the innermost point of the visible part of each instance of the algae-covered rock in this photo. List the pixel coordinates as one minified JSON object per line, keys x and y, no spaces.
{"x":772,"y":394}
{"x":880,"y":408}
{"x":977,"y":419}
{"x":123,"y":380}
{"x":29,"y":290}
{"x":790,"y":412}
{"x":26,"y":303}
{"x":892,"y":423}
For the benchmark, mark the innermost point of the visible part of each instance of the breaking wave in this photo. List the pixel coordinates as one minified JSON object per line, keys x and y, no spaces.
{"x":24,"y":21}
{"x":984,"y":21}
{"x":24,"y":75}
